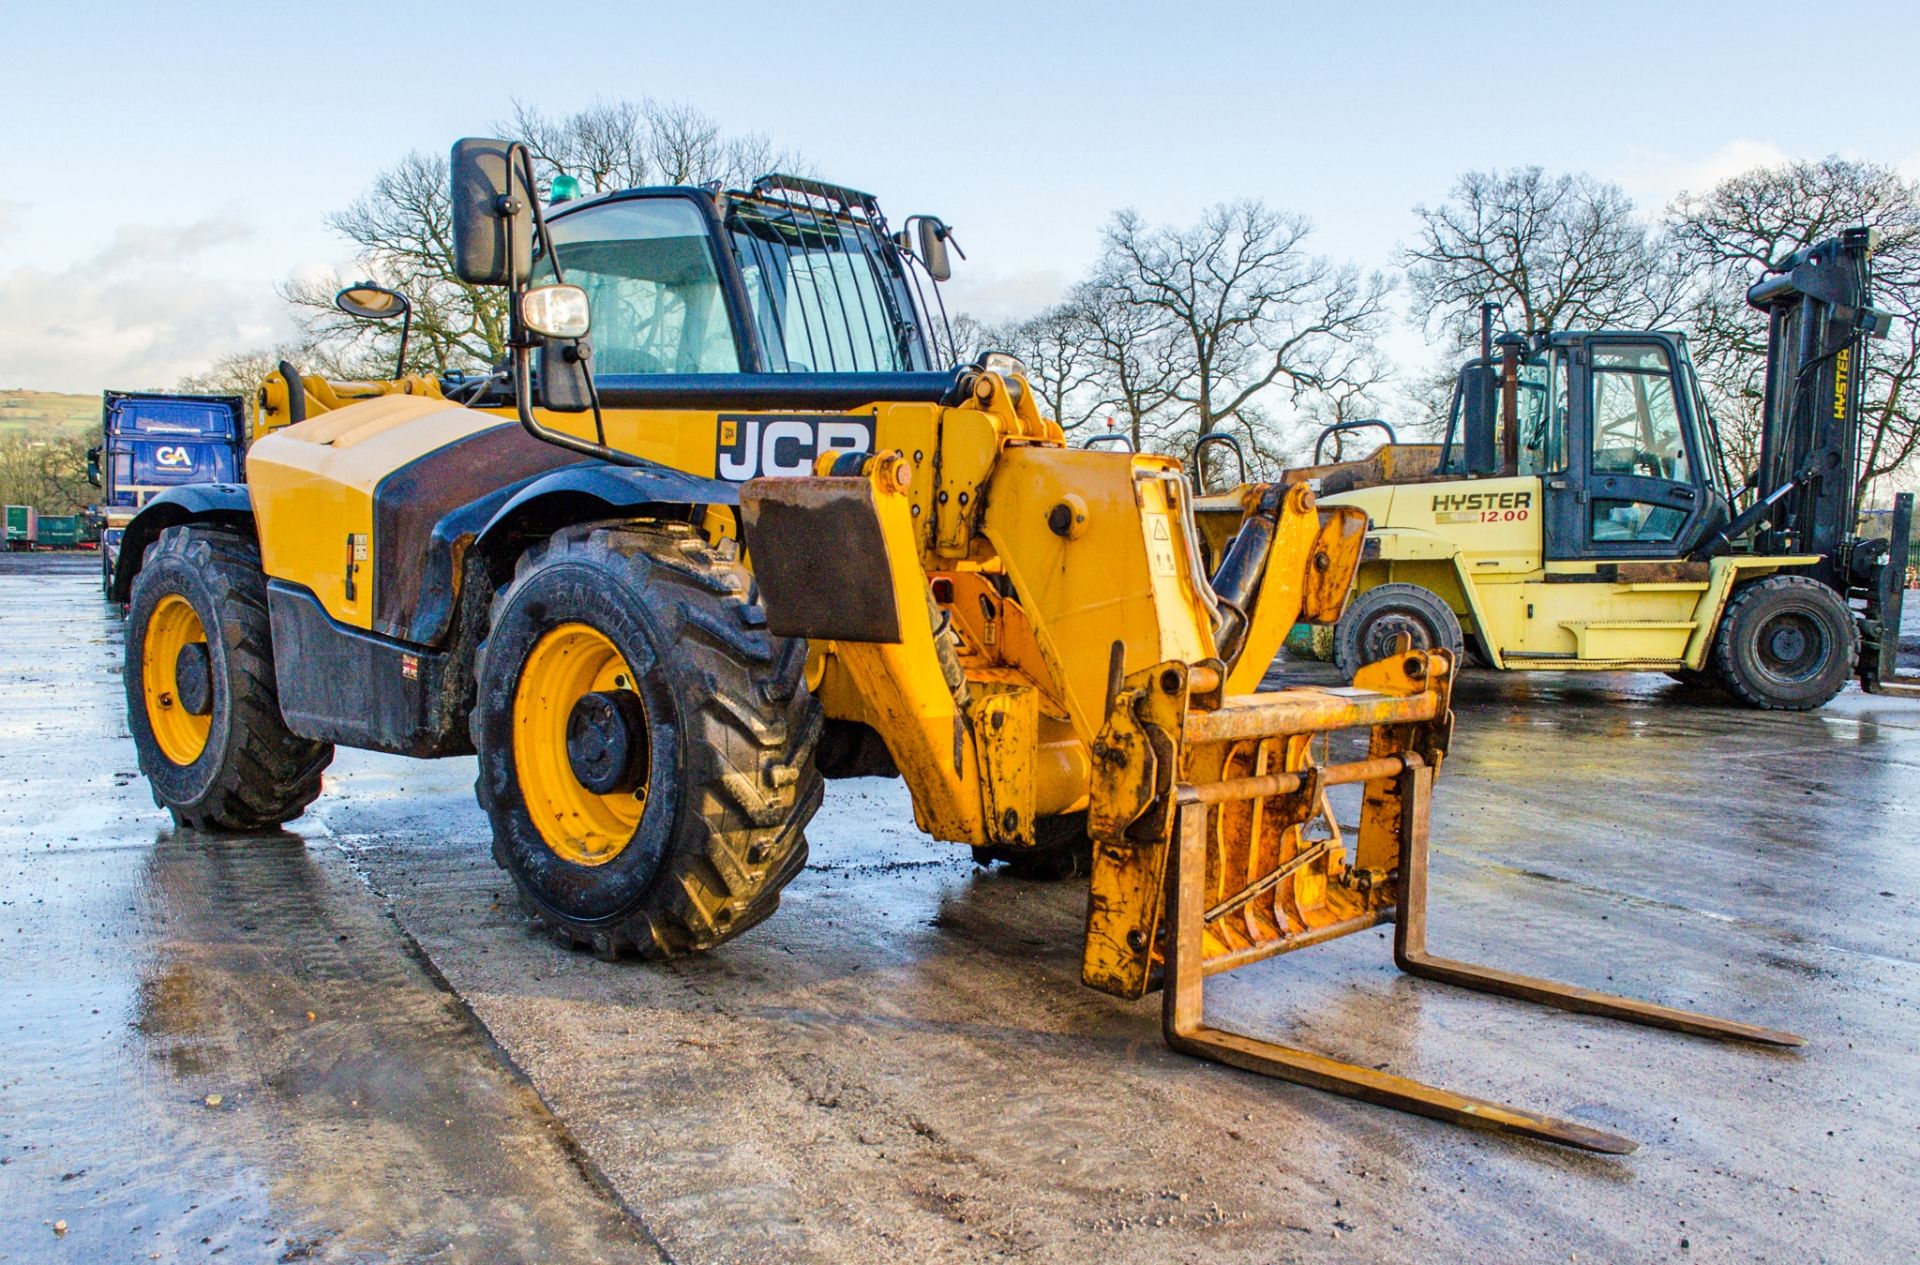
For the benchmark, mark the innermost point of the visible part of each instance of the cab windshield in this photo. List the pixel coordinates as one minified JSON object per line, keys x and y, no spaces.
{"x":823,"y":298}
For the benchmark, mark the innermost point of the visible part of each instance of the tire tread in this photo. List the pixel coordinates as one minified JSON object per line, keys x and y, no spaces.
{"x":746,"y":834}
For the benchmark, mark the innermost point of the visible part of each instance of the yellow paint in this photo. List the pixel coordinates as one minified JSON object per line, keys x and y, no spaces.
{"x":1294,"y":581}
{"x":325,"y":395}
{"x":1478,"y":545}
{"x":900,"y":687}
{"x":312,"y":488}
{"x":1117,"y":581}
{"x":566,"y":664}
{"x":1276,"y":864}
{"x":172,"y":627}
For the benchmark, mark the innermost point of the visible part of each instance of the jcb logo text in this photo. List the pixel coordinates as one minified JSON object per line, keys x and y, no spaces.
{"x":755,"y":444}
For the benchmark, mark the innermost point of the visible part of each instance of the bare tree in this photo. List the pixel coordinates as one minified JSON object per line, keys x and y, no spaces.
{"x":1244,"y":308}
{"x":1138,"y":366}
{"x":47,"y":472}
{"x":1557,"y":252}
{"x":402,"y":231}
{"x":1729,"y":236}
{"x":243,"y":372}
{"x":1357,"y":396}
{"x":604,"y":146}
{"x":624,"y":144}
{"x":1062,"y":357}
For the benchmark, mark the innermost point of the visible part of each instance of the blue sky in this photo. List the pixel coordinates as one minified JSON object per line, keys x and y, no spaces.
{"x":167,"y":171}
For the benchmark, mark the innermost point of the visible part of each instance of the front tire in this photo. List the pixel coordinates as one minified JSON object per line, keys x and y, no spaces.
{"x":1367,"y":632}
{"x":646,"y":747}
{"x":202,"y":701}
{"x":1786,"y":643}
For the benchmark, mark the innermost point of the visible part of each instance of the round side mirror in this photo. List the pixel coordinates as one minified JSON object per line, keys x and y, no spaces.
{"x":371,"y":302}
{"x":558,"y":311}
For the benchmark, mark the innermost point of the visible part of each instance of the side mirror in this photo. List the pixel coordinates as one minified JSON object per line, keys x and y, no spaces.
{"x":370,"y":302}
{"x":560,"y":315}
{"x":93,"y":465}
{"x":933,"y":247}
{"x":1479,"y":418}
{"x":492,"y":212}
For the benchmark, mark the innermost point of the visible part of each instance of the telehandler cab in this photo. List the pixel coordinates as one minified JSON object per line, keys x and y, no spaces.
{"x":664,"y":580}
{"x":1578,"y":514}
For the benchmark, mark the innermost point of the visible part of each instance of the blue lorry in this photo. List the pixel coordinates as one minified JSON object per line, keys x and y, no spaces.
{"x":151,"y":442}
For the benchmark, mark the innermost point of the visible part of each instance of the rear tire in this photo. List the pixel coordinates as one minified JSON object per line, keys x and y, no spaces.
{"x":1366,"y":633}
{"x":1786,"y":643}
{"x":693,"y":847}
{"x":235,"y":765}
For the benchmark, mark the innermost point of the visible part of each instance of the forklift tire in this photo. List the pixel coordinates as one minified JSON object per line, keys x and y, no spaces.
{"x":1786,"y":643}
{"x":1365,"y":634}
{"x":202,"y":701}
{"x":646,"y":746}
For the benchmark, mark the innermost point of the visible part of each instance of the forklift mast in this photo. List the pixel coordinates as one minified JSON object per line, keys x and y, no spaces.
{"x":1819,"y":316}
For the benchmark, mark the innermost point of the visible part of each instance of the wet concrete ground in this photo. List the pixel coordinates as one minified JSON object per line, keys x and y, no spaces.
{"x":902,"y":1066}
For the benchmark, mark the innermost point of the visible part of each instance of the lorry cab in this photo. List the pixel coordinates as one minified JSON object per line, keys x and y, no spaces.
{"x":1555,"y":523}
{"x":152,"y":442}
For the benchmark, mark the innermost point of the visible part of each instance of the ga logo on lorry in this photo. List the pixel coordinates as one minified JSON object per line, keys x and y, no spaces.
{"x":173,"y":457}
{"x":755,"y":444}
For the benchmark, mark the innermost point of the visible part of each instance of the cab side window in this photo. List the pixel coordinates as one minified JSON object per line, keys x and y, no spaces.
{"x":1636,"y":425}
{"x":1636,"y":432}
{"x":1542,"y":412}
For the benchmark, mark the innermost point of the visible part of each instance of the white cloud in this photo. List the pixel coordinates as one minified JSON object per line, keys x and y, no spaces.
{"x":1653,"y":178}
{"x":992,"y":296}
{"x":136,"y":246}
{"x":141,"y":312}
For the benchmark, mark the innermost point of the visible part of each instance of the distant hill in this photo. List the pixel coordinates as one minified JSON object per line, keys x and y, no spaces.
{"x":48,"y":414}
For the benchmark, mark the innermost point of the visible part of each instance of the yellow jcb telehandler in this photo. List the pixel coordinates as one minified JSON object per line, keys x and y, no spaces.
{"x":664,"y":580}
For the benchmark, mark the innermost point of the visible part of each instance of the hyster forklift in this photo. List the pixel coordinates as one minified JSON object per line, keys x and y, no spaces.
{"x":747,"y":535}
{"x":1578,"y":515}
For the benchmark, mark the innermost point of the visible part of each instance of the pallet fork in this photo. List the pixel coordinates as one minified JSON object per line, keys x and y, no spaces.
{"x":1244,"y":882}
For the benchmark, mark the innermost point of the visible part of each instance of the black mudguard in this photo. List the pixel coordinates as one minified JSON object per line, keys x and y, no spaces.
{"x":593,"y":489}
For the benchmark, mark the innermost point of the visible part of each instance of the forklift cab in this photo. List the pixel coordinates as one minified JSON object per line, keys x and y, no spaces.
{"x":1614,"y":426}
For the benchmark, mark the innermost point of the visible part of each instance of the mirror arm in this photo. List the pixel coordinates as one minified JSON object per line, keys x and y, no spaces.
{"x":406,"y":327}
{"x":522,"y":395}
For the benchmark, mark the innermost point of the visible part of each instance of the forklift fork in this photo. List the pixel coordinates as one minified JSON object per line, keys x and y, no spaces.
{"x":1402,"y":781}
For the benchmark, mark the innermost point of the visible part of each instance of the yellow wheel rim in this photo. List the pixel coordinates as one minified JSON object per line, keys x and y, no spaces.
{"x":173,"y":626}
{"x":565,"y":665}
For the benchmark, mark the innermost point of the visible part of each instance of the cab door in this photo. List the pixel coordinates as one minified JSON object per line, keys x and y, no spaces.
{"x":1635,"y":471}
